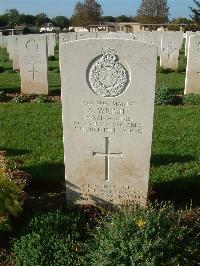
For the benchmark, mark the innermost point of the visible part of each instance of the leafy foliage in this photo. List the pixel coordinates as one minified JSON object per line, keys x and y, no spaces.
{"x":191,"y":99}
{"x":153,"y":11}
{"x":134,"y":236}
{"x":12,"y":184}
{"x":2,"y":96}
{"x":164,"y":95}
{"x":49,"y":239}
{"x":87,"y":13}
{"x":195,"y":11}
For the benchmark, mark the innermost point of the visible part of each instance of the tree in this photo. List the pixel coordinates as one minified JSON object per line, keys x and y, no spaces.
{"x":123,"y":18}
{"x":108,"y":19}
{"x":153,"y":11}
{"x":13,"y":16}
{"x":195,"y":12}
{"x":41,"y":18}
{"x":4,"y":20}
{"x":27,"y":19}
{"x":87,"y":13}
{"x":61,"y":21}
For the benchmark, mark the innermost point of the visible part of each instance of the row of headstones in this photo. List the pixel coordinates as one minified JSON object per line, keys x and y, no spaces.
{"x":29,"y":54}
{"x":108,"y":88}
{"x":33,"y":63}
{"x":168,"y":43}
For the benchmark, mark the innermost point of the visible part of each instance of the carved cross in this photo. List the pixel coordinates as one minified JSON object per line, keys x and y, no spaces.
{"x":107,"y":154}
{"x":170,"y":49}
{"x":33,"y":71}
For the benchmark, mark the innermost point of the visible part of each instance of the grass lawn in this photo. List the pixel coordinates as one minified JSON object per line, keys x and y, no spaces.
{"x":31,"y":133}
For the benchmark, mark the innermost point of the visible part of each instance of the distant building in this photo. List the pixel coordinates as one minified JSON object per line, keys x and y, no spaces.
{"x":49,"y":27}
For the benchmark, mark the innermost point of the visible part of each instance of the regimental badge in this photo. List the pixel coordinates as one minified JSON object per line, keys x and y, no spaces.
{"x":107,"y":76}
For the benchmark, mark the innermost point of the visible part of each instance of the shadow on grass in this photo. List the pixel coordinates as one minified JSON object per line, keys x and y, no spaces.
{"x":165,"y":159}
{"x":11,"y":90}
{"x":182,"y":191}
{"x":46,"y":177}
{"x":16,"y":152}
{"x":55,"y":91}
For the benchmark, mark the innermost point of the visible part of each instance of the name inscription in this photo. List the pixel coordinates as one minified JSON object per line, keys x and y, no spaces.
{"x":108,"y":117}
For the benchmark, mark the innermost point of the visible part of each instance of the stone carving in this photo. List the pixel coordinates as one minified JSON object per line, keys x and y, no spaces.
{"x":32,"y":46}
{"x":107,"y":77}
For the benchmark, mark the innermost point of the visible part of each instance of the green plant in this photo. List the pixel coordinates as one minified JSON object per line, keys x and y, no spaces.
{"x":17,"y":99}
{"x":145,"y":236}
{"x":52,"y":58}
{"x":191,"y":99}
{"x":11,"y":193}
{"x":1,"y":69}
{"x":165,"y":70}
{"x":39,"y":99}
{"x":49,"y":239}
{"x":164,"y":95}
{"x":2,"y":96}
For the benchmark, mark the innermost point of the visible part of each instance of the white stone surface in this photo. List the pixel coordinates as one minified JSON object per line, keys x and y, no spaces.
{"x":192,"y":82}
{"x":51,"y":43}
{"x":3,"y":41}
{"x":15,"y":52}
{"x":170,"y":45}
{"x":10,"y":46}
{"x":188,"y":34}
{"x":107,"y":109}
{"x":33,"y":64}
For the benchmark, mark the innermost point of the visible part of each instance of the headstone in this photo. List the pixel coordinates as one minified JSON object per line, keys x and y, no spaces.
{"x":107,"y":111}
{"x":188,"y":34}
{"x":86,"y":35}
{"x":192,"y":82}
{"x":51,"y":43}
{"x":3,"y":42}
{"x":33,"y":64}
{"x":10,"y":46}
{"x":15,"y":52}
{"x":170,"y":45}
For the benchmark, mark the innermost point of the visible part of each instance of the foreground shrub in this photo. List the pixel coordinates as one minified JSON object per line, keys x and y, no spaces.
{"x":39,"y":99}
{"x":2,"y":96}
{"x":138,"y":236}
{"x":12,"y":183}
{"x":1,"y":69}
{"x":164,"y":95}
{"x":191,"y":99}
{"x":17,"y":99}
{"x":145,"y":237}
{"x":49,"y":239}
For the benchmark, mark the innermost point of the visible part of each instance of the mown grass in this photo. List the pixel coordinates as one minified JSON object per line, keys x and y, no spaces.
{"x":10,"y":80}
{"x":33,"y":133}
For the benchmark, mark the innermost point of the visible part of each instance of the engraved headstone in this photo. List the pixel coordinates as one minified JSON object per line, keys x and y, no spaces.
{"x":188,"y":34}
{"x":3,"y":42}
{"x":170,"y":45}
{"x":10,"y":46}
{"x":192,"y":82}
{"x":15,"y":53}
{"x":107,"y":111}
{"x":33,"y":64}
{"x":51,"y":43}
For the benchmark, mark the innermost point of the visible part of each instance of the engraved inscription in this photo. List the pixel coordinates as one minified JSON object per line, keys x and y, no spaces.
{"x":108,"y":117}
{"x":107,"y":76}
{"x":32,"y":45}
{"x":170,"y":49}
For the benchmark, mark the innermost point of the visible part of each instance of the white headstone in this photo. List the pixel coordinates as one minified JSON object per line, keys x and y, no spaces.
{"x":188,"y":34}
{"x":15,"y":52}
{"x":192,"y":82}
{"x":10,"y":46}
{"x":170,"y":45}
{"x":107,"y":111}
{"x":51,"y":43}
{"x":33,"y":64}
{"x":3,"y":42}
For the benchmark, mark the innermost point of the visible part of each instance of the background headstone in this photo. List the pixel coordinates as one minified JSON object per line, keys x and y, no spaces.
{"x":170,"y":45}
{"x":107,"y":110}
{"x":192,"y":82}
{"x":33,"y":64}
{"x":188,"y":34}
{"x":51,"y":43}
